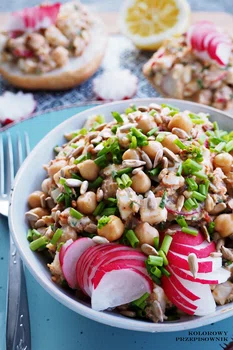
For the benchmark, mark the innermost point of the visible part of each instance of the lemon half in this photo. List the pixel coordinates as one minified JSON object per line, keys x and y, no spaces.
{"x":149,"y":22}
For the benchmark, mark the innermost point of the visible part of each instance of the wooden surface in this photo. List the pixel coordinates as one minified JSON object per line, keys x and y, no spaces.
{"x":222,"y":19}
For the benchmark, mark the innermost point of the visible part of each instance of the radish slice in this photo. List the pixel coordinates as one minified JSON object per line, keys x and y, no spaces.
{"x":119,"y":287}
{"x":184,"y":238}
{"x":63,"y":249}
{"x":218,"y":276}
{"x":33,"y":18}
{"x":202,"y":250}
{"x":71,"y":256}
{"x":204,"y":265}
{"x":115,"y":85}
{"x":223,"y":53}
{"x":199,"y":33}
{"x":16,"y":106}
{"x":194,"y":27}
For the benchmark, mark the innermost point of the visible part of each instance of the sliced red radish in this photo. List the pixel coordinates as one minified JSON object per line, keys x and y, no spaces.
{"x":204,"y":265}
{"x":194,"y":27}
{"x":184,"y":238}
{"x":218,"y":276}
{"x":199,"y":33}
{"x":16,"y":106}
{"x":22,"y":53}
{"x":71,"y":257}
{"x":62,"y":250}
{"x":222,"y":53}
{"x":33,"y":18}
{"x":202,"y":250}
{"x":119,"y":287}
{"x":115,"y":85}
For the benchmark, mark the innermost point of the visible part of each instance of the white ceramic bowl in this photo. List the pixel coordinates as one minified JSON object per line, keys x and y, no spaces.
{"x":29,"y":178}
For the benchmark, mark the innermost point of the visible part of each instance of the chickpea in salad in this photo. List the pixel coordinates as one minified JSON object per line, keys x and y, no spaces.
{"x":152,"y":190}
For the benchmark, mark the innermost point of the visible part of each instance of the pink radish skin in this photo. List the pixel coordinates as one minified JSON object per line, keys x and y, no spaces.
{"x":119,"y":287}
{"x":193,"y":28}
{"x":202,"y":250}
{"x":184,"y":238}
{"x":218,"y":276}
{"x":199,"y":33}
{"x":204,"y":265}
{"x":62,"y":250}
{"x":70,"y":259}
{"x":223,"y":53}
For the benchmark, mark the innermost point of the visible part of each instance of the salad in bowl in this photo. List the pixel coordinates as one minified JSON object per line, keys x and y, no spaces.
{"x":135,"y":213}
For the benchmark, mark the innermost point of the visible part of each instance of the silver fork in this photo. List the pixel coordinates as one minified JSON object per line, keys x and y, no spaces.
{"x":18,"y":321}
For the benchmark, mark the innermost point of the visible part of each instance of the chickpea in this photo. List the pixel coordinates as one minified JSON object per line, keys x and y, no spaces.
{"x":46,"y":185}
{"x":146,"y":123}
{"x":224,"y":224}
{"x":87,"y":203}
{"x":34,"y":199}
{"x":223,"y":161}
{"x":60,"y":55}
{"x":141,"y":183}
{"x":168,"y":142}
{"x":89,"y":170}
{"x":56,"y":166}
{"x":131,"y":154}
{"x":146,"y":233}
{"x":39,"y":211}
{"x":181,"y":121}
{"x":152,"y":148}
{"x":113,"y":230}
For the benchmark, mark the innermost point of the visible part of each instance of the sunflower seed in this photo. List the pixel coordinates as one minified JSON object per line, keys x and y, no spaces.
{"x":171,"y":155}
{"x":162,"y":173}
{"x":157,"y":311}
{"x":187,"y":194}
{"x":89,"y":148}
{"x":146,"y":158}
{"x":127,"y":127}
{"x":148,"y":249}
{"x":209,"y":203}
{"x":164,"y":162}
{"x":96,"y":140}
{"x":133,"y":163}
{"x":100,"y":240}
{"x":100,"y":127}
{"x":98,"y":148}
{"x":205,"y":233}
{"x":42,"y":201}
{"x":218,"y":208}
{"x":180,"y":133}
{"x":57,"y":216}
{"x":170,"y":232}
{"x":227,"y":253}
{"x":158,"y":119}
{"x":99,"y":194}
{"x":158,"y":157}
{"x":166,"y":111}
{"x":31,"y":216}
{"x":151,"y":202}
{"x":92,"y":135}
{"x":180,"y":202}
{"x":75,"y":152}
{"x":143,"y":108}
{"x":216,"y":255}
{"x":73,"y":182}
{"x":151,"y":138}
{"x":155,"y":107}
{"x":193,"y":264}
{"x":219,"y":244}
{"x":128,"y":313}
{"x":84,"y":187}
{"x":40,"y":223}
{"x":137,"y":170}
{"x":50,"y":202}
{"x":75,"y":139}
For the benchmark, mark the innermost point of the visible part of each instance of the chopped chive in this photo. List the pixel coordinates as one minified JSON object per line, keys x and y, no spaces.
{"x":114,"y":129}
{"x":166,"y":243}
{"x":73,"y":145}
{"x":153,"y":112}
{"x":80,"y":159}
{"x":122,"y":171}
{"x":29,"y":236}
{"x":103,"y":221}
{"x":215,"y":126}
{"x":160,"y":137}
{"x":172,"y":108}
{"x":179,"y":170}
{"x":62,"y":181}
{"x":112,"y":200}
{"x":138,"y":133}
{"x":67,"y":190}
{"x":155,"y":171}
{"x":190,"y":166}
{"x":127,"y":182}
{"x":163,"y":256}
{"x":192,"y":185}
{"x":133,"y":143}
{"x":140,"y":301}
{"x":156,"y":243}
{"x":67,"y":201}
{"x":156,"y":271}
{"x":202,"y":139}
{"x":118,"y":117}
{"x":101,"y":161}
{"x":190,"y":231}
{"x":200,"y":197}
{"x":59,"y":246}
{"x":211,"y":227}
{"x":196,"y":205}
{"x":56,"y":236}
{"x":132,"y":238}
{"x":200,"y":175}
{"x":100,"y":119}
{"x":152,"y":131}
{"x":180,"y":144}
{"x":200,"y":83}
{"x":155,"y":260}
{"x":77,"y":177}
{"x":75,"y":214}
{"x":155,"y":279}
{"x":119,"y":182}
{"x":96,"y":183}
{"x":198,"y":121}
{"x":35,"y":234}
{"x":163,"y":200}
{"x":220,"y":147}
{"x":181,"y":221}
{"x":100,"y":207}
{"x":229,"y":146}
{"x":39,"y":243}
{"x":165,"y":271}
{"x":109,"y":211}
{"x":189,"y":204}
{"x":202,"y":189}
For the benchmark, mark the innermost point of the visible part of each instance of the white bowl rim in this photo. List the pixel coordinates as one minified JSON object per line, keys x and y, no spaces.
{"x":106,"y":317}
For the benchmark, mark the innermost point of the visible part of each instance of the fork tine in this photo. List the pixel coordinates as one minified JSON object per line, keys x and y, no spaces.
{"x":10,"y":164}
{"x":19,"y":152}
{"x":27,"y":143}
{"x":1,"y":167}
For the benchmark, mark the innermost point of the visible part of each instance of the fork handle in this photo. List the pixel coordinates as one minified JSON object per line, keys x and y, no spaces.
{"x":18,"y":320}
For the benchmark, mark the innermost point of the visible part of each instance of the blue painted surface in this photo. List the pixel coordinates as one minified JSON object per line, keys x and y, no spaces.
{"x":56,"y":327}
